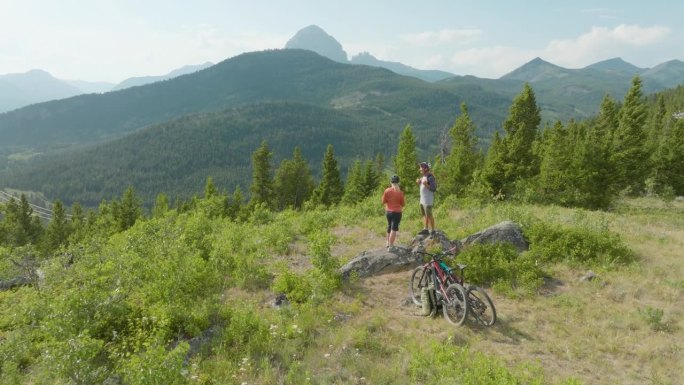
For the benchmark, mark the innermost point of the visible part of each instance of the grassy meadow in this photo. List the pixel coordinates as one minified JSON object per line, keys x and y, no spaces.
{"x":187,"y":298}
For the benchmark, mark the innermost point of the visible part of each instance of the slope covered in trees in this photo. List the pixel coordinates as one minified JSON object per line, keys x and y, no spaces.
{"x":184,"y":293}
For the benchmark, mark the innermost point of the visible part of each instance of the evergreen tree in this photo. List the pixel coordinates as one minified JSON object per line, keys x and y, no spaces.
{"x":353,"y":188}
{"x":602,"y":132}
{"x":554,"y":174}
{"x":669,"y":162}
{"x":293,"y":181}
{"x":463,"y":158}
{"x":19,"y":226}
{"x":371,"y":179}
{"x":608,"y":120}
{"x":629,"y":156}
{"x":493,"y":171}
{"x":77,"y":223}
{"x":210,"y":189}
{"x":520,"y":129}
{"x":262,"y":182}
{"x":128,"y":211}
{"x":330,"y":190}
{"x":161,"y":205}
{"x":58,"y":230}
{"x":657,"y":125}
{"x":234,"y":210}
{"x":406,"y":161}
{"x":380,"y":164}
{"x":593,"y":170}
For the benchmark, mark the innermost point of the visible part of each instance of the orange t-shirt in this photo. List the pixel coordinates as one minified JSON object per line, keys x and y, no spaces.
{"x":393,"y":200}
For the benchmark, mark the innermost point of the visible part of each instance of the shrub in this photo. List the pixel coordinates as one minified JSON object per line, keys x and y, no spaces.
{"x":577,"y":245}
{"x":296,"y":287}
{"x":501,"y":266}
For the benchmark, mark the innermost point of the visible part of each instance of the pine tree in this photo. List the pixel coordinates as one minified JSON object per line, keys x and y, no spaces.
{"x":353,"y":188}
{"x":520,"y":128}
{"x":210,"y":189}
{"x":380,"y":163}
{"x":128,"y":211}
{"x":77,"y":223}
{"x":602,"y":132}
{"x":161,"y":205}
{"x":330,"y":190}
{"x":657,"y":125}
{"x":370,"y":180}
{"x":293,"y":182}
{"x":235,"y":207}
{"x":262,"y":182}
{"x":463,"y":158}
{"x":669,"y":162}
{"x":493,"y":171}
{"x":593,"y":170}
{"x":19,"y":226}
{"x":406,"y":161}
{"x":630,"y":157}
{"x":608,"y":120}
{"x":58,"y":230}
{"x":554,"y":173}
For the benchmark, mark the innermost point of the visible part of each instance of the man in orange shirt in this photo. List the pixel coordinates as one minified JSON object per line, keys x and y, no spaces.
{"x":393,"y":199}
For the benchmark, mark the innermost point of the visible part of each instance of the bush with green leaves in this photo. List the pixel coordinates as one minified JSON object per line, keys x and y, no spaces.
{"x":501,"y":265}
{"x":550,"y":242}
{"x":319,"y":282}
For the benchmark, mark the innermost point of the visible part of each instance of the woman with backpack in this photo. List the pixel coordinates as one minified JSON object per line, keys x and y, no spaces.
{"x":428,"y":186}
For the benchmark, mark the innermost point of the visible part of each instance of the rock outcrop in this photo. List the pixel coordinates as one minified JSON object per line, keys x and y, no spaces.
{"x":382,"y":261}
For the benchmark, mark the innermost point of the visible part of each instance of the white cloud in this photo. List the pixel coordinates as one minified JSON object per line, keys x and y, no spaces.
{"x":603,"y":43}
{"x":489,"y":62}
{"x":600,"y":43}
{"x":445,"y":36}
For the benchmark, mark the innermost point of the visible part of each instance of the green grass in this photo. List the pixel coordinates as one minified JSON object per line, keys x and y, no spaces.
{"x":138,"y":301}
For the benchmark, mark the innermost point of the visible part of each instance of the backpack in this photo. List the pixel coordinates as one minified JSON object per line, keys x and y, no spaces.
{"x":434,"y":182}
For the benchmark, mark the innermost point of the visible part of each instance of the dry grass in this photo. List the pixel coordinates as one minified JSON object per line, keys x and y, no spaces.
{"x":622,"y":328}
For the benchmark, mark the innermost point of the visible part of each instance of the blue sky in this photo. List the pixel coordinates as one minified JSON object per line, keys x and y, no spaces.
{"x":111,"y":40}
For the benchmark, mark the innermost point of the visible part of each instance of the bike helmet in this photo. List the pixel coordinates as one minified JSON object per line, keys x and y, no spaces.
{"x":395,"y":179}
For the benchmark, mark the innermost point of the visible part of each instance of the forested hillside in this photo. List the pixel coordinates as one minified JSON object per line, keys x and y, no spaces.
{"x":285,"y":75}
{"x":185,"y":291}
{"x":176,"y":157}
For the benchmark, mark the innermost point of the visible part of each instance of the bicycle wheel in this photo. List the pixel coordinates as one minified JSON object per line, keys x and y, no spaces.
{"x":455,"y":306}
{"x":419,"y":279}
{"x":480,"y":306}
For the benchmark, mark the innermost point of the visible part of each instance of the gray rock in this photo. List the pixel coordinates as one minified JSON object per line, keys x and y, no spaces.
{"x":589,"y":276}
{"x":372,"y":262}
{"x":504,"y":232}
{"x":381,"y":261}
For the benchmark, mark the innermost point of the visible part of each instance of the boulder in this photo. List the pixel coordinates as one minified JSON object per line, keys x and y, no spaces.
{"x":372,"y":262}
{"x":381,"y":261}
{"x":504,"y":232}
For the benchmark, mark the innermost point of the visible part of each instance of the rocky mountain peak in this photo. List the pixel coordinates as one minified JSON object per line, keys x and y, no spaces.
{"x":314,"y":38}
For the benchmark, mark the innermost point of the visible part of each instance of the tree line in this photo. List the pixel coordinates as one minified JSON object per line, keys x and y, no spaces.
{"x":632,"y":147}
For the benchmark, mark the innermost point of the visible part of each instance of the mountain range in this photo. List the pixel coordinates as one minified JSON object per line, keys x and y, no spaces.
{"x":168,"y":136}
{"x":36,"y":86}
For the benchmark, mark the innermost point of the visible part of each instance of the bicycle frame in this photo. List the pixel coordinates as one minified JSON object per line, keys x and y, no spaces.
{"x":444,"y":275}
{"x":447,"y":283}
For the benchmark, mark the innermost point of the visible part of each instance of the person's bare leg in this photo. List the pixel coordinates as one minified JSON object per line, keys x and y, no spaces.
{"x":392,"y":238}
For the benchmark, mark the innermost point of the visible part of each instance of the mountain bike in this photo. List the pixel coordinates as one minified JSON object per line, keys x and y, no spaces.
{"x":449,"y":294}
{"x":478,"y":304}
